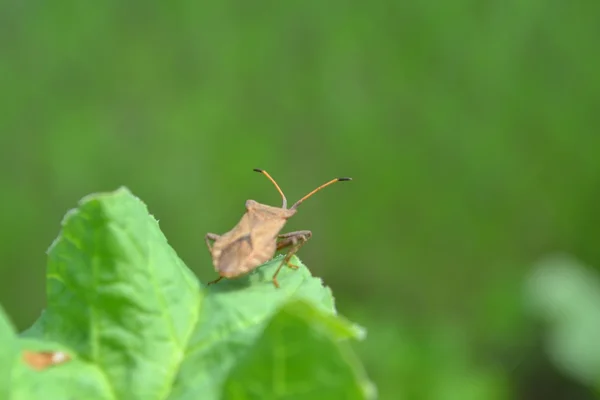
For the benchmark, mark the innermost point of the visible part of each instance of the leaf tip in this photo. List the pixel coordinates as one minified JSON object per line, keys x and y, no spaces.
{"x":121,"y":191}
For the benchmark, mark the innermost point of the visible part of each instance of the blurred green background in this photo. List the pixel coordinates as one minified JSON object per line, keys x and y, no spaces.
{"x":470,"y":129}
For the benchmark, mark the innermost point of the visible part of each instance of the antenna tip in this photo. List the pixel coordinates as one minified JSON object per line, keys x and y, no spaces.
{"x":345,"y":179}
{"x":258,"y":170}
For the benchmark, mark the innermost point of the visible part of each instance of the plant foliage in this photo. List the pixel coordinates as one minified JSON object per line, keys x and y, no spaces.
{"x":135,"y":323}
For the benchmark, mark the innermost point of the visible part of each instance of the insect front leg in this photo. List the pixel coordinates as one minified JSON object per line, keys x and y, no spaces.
{"x":215,"y":281}
{"x":294,"y":239}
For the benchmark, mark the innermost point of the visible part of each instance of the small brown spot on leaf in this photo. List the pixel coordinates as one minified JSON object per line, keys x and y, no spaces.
{"x":40,"y":360}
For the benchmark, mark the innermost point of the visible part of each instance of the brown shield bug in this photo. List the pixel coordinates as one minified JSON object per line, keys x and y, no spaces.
{"x":255,"y":239}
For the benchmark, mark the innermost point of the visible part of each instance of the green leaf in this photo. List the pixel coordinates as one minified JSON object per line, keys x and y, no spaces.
{"x":75,"y":378}
{"x":119,"y":296}
{"x":138,"y":325}
{"x":566,"y":295}
{"x":8,"y":353}
{"x":19,"y":381}
{"x":300,"y":356}
{"x":234,"y":316}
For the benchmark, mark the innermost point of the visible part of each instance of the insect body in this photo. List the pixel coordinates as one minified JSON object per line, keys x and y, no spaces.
{"x":255,"y":239}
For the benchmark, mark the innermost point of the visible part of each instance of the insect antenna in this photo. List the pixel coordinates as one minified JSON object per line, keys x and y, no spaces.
{"x":331,"y":182}
{"x":274,"y":183}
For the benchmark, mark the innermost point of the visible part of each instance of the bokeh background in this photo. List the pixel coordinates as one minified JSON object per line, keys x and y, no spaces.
{"x":470,"y":129}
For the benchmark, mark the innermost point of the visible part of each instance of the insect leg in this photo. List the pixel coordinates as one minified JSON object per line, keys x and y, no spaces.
{"x":208,"y":238}
{"x":215,"y":281}
{"x":290,"y":239}
{"x":296,"y":233}
{"x":296,"y":240}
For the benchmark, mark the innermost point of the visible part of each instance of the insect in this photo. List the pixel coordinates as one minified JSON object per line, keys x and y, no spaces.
{"x":255,"y":239}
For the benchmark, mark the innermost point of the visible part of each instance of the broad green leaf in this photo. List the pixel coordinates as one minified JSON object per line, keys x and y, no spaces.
{"x":300,"y":356}
{"x":234,"y":315}
{"x":139,"y":326}
{"x":74,"y":379}
{"x":8,"y":353}
{"x":119,"y":296}
{"x":566,"y":295}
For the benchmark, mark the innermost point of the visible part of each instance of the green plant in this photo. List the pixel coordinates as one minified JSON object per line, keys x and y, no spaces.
{"x":564,"y":294}
{"x":138,"y":325}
